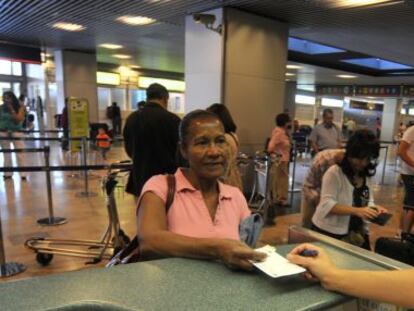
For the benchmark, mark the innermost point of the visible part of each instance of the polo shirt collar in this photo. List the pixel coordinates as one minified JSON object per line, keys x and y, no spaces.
{"x":182,"y":184}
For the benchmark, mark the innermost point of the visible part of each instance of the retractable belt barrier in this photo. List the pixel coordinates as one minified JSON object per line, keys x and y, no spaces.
{"x":60,"y":138}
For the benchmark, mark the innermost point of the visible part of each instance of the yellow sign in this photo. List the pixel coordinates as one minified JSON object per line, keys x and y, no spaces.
{"x":78,"y":120}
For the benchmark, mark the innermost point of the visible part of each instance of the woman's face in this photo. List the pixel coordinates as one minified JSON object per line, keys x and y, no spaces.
{"x":358,"y":165}
{"x":206,"y":148}
{"x":7,"y":99}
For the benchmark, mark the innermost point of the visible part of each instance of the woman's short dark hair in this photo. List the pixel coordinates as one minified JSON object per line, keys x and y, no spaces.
{"x":225,"y":117}
{"x":15,"y":101}
{"x":156,"y":91}
{"x":363,"y":144}
{"x":282,"y":119}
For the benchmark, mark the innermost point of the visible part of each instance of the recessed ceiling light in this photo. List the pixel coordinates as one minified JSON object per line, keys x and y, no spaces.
{"x":135,"y":66}
{"x":68,"y":26}
{"x":110,"y":46}
{"x":121,"y":56}
{"x":293,"y":67}
{"x":346,"y":76}
{"x":135,"y":20}
{"x":289,"y":74}
{"x":287,"y":80}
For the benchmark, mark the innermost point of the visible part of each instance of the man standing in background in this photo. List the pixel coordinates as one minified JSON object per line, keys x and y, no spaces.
{"x":326,"y":135}
{"x":151,"y":138}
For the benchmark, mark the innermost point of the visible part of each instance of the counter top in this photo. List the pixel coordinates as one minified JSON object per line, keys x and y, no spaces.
{"x":175,"y":284}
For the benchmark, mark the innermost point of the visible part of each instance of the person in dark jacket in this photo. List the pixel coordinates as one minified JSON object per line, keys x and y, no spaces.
{"x":151,"y":138}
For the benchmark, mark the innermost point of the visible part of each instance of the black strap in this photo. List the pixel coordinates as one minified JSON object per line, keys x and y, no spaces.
{"x":171,"y":191}
{"x":131,"y":252}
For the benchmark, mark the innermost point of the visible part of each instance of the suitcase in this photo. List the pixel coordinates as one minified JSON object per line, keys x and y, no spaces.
{"x":396,"y":249}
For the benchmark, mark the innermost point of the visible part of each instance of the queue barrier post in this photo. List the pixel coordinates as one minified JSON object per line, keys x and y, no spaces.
{"x":8,"y":268}
{"x":51,"y":220}
{"x":384,"y":164}
{"x":84,"y":159}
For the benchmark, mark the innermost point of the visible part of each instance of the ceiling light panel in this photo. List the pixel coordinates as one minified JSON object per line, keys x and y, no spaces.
{"x":110,"y":46}
{"x":68,"y":26}
{"x":346,"y":76}
{"x":135,"y":20}
{"x":293,"y":67}
{"x":357,"y":3}
{"x":122,"y":56}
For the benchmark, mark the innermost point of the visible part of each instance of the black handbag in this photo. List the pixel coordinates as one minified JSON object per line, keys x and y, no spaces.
{"x":131,"y":252}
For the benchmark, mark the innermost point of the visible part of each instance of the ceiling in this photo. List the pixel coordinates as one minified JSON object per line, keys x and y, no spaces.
{"x":384,"y":31}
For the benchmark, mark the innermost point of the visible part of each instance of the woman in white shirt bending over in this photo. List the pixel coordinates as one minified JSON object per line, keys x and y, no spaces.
{"x":346,"y":198}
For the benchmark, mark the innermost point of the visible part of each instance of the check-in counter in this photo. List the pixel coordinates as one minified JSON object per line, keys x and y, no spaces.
{"x":184,"y":284}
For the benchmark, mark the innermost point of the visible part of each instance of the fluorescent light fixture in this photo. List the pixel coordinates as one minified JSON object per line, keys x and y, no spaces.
{"x":376,"y":63}
{"x":346,"y":76}
{"x":121,"y":56}
{"x":331,"y":102}
{"x":289,"y":74}
{"x":293,"y":67}
{"x":110,"y":46}
{"x":358,"y":3}
{"x":68,"y":26}
{"x":135,"y":20}
{"x":287,"y":80}
{"x":309,"y":47}
{"x":171,"y":85}
{"x":305,"y":100}
{"x":108,"y":78}
{"x":135,"y":66}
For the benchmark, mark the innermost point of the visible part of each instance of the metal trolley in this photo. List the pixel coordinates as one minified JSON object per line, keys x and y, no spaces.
{"x":260,"y":200}
{"x":113,"y":239}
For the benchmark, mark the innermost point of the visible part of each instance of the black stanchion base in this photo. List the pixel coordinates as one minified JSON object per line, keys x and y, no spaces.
{"x":52,"y":221}
{"x":11,"y":268}
{"x":85,"y":194}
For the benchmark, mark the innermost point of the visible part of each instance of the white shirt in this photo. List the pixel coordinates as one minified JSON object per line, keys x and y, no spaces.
{"x":336,"y":189}
{"x":408,"y":137}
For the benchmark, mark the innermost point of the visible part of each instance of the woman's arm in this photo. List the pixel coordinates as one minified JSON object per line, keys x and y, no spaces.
{"x":156,"y":239}
{"x":18,"y":116}
{"x":388,"y":286}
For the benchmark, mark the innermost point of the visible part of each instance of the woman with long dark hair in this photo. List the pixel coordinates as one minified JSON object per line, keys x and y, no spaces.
{"x":12,"y":115}
{"x":232,"y":175}
{"x":346,"y":197}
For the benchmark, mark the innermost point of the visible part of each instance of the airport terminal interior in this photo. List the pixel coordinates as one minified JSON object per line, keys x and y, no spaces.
{"x":78,"y":71}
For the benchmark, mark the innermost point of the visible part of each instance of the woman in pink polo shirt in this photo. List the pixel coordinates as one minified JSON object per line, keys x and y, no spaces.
{"x":203,"y":220}
{"x":279,"y":148}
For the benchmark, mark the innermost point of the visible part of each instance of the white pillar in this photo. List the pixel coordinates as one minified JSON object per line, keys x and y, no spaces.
{"x":76,"y":76}
{"x":243,"y":68}
{"x":389,"y":119}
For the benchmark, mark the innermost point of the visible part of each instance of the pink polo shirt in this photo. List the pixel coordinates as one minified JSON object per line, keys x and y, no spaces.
{"x":189,"y":216}
{"x":280,"y":143}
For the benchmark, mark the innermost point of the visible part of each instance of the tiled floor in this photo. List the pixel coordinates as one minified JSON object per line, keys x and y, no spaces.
{"x":22,"y":203}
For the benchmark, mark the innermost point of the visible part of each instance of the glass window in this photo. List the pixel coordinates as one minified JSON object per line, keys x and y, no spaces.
{"x":103,"y":97}
{"x":16,"y":89}
{"x":118,"y":96}
{"x":17,"y":68}
{"x":5,"y":67}
{"x":137,"y":96}
{"x":4,"y":86}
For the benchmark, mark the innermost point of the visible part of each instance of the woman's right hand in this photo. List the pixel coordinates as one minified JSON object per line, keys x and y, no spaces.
{"x":319,"y":267}
{"x":236,"y":254}
{"x":366,"y":212}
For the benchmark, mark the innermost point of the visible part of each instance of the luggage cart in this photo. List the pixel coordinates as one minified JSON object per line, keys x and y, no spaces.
{"x":260,"y":200}
{"x":113,"y":239}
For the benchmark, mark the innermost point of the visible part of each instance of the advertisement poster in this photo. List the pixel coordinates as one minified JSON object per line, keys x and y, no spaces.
{"x":78,"y":121}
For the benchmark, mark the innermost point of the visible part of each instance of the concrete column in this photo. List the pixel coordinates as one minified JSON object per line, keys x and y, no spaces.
{"x":243,"y":68}
{"x":290,"y":103}
{"x":389,"y":119}
{"x":76,"y":76}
